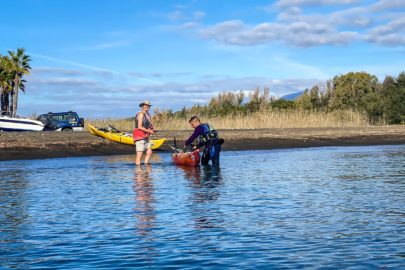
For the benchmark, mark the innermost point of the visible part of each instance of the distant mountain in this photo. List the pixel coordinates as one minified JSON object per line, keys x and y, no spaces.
{"x":293,"y":95}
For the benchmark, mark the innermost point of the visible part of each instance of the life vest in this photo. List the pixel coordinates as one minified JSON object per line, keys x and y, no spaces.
{"x":209,"y":134}
{"x":146,"y":123}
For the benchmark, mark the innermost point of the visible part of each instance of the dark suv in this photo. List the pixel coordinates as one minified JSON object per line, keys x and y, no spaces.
{"x":62,"y":121}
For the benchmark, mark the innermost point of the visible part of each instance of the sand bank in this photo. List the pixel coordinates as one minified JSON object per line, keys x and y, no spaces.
{"x":34,"y":145}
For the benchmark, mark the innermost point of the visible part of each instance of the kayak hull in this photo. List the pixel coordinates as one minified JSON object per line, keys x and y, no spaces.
{"x":121,"y":137}
{"x":191,"y":159}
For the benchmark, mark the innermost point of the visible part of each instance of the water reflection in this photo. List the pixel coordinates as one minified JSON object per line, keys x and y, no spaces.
{"x":204,"y":180}
{"x":210,"y":181}
{"x":14,"y":213}
{"x":192,"y":174}
{"x":206,"y":183}
{"x":144,"y":199}
{"x":131,"y":159}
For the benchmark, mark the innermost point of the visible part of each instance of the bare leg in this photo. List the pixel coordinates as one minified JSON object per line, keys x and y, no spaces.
{"x":138,"y":158}
{"x":148,"y":155}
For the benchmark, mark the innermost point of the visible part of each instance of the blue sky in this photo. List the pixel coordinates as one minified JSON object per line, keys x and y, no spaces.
{"x":101,"y":58}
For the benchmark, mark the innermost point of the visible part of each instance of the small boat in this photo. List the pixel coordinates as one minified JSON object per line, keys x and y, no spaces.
{"x":121,"y":137}
{"x":17,"y":123}
{"x":186,"y":158}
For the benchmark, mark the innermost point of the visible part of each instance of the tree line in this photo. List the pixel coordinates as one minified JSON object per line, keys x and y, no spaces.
{"x":382,"y":102}
{"x":13,"y":67}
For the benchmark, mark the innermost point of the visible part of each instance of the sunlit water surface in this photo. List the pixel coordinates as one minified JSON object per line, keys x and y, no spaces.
{"x":301,"y":208}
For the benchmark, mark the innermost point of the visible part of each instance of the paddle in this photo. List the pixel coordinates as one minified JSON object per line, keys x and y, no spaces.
{"x":175,"y":149}
{"x":113,"y":129}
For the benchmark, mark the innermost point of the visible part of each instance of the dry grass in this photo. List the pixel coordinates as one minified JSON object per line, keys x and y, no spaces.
{"x":123,"y":124}
{"x":261,"y":119}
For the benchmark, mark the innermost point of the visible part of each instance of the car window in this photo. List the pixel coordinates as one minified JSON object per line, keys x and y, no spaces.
{"x":70,"y":118}
{"x":57,"y":118}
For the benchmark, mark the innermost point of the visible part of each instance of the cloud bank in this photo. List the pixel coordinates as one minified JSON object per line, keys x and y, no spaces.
{"x":381,"y":23}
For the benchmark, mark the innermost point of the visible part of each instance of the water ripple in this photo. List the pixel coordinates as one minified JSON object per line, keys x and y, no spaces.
{"x":333,"y":207}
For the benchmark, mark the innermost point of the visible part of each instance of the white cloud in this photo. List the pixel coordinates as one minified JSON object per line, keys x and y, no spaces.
{"x":353,"y":17}
{"x":176,"y":16}
{"x":180,"y":15}
{"x":337,"y":28}
{"x":390,"y":34}
{"x":237,"y":33}
{"x":388,"y":40}
{"x":197,"y":15}
{"x":56,"y":71}
{"x":298,"y":34}
{"x":101,"y":46}
{"x":388,"y":5}
{"x":187,"y":25}
{"x":290,"y":14}
{"x":180,"y":6}
{"x":394,"y":26}
{"x":64,"y":82}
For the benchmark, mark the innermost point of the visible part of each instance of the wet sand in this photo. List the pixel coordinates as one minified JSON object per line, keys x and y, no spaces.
{"x":37,"y":145}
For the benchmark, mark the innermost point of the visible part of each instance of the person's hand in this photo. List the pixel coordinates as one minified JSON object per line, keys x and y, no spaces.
{"x":195,"y":147}
{"x":151,"y":131}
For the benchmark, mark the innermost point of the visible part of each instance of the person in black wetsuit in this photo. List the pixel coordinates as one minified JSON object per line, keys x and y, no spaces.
{"x":208,"y":137}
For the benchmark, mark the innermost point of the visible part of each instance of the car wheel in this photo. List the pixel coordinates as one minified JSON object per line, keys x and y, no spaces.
{"x":67,"y":129}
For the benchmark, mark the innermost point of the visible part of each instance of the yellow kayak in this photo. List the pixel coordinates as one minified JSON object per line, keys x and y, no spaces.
{"x":122,"y":137}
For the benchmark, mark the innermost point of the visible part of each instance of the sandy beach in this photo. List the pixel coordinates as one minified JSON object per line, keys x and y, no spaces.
{"x":36,"y":145}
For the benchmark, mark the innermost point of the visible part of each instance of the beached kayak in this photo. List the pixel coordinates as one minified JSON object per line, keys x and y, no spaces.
{"x":122,"y":137}
{"x":186,"y":158}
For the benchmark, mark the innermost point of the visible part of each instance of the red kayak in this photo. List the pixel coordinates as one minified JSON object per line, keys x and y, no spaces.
{"x":187,"y":158}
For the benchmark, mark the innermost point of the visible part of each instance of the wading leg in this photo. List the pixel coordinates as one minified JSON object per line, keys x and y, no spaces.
{"x":148,"y":155}
{"x":206,"y":156}
{"x":215,"y":154}
{"x":138,"y":158}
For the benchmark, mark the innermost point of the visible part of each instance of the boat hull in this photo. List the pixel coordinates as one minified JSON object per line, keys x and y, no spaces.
{"x":122,"y":137}
{"x":191,"y":159}
{"x":20,"y":124}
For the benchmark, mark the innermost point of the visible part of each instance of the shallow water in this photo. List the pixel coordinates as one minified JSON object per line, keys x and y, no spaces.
{"x":329,"y":207}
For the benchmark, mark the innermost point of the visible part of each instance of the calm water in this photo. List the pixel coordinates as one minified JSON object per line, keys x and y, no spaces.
{"x":331,"y":207}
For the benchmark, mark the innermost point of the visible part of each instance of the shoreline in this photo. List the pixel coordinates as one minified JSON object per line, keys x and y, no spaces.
{"x":41,"y":145}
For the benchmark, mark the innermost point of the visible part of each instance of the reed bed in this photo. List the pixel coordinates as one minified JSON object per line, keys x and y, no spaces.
{"x":257,"y":120}
{"x":123,"y":124}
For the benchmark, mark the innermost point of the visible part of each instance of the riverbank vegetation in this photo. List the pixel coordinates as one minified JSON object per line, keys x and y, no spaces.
{"x":264,"y":118}
{"x":382,"y":102}
{"x":13,"y":67}
{"x":350,"y":100}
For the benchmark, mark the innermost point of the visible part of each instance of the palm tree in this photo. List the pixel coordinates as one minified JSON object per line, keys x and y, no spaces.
{"x":20,"y":67}
{"x":6,"y":78}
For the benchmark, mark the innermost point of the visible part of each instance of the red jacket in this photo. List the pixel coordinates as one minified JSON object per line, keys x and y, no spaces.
{"x":139,"y":135}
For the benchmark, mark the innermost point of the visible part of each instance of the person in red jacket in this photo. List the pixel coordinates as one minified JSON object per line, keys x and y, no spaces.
{"x":143,"y":129}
